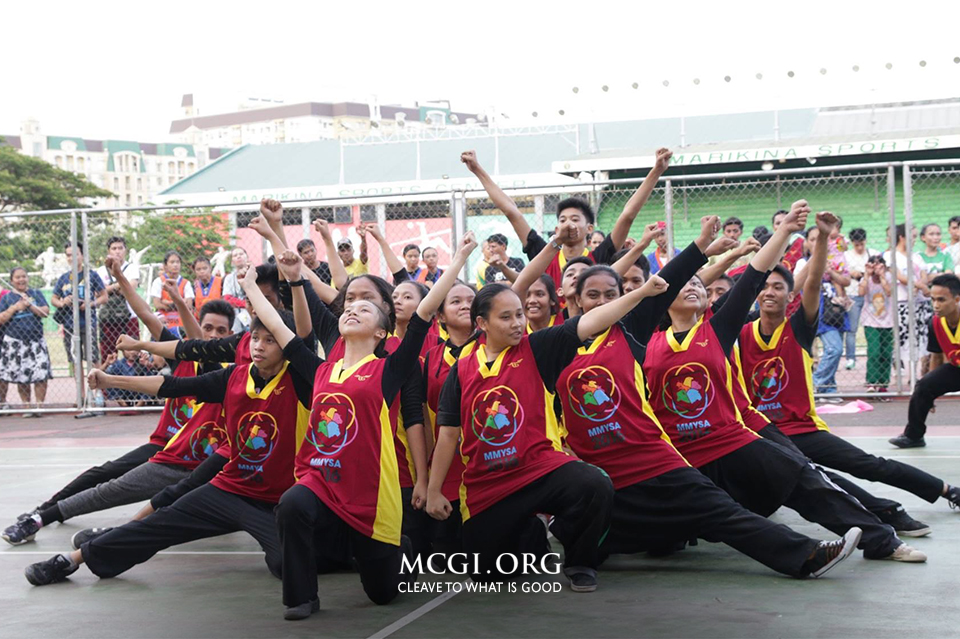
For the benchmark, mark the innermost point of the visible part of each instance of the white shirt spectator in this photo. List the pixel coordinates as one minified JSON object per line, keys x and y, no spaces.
{"x":156,"y":289}
{"x":918,"y":268}
{"x":857,"y":262}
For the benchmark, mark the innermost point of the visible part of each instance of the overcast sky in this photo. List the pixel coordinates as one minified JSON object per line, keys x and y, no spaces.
{"x":102,"y":69}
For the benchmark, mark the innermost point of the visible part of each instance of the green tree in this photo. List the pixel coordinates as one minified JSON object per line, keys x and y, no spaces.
{"x":30,"y":184}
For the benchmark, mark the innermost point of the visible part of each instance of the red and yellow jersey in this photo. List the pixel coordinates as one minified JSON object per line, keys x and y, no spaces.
{"x":203,"y":435}
{"x":555,"y":270}
{"x":608,"y":421}
{"x":171,"y":319}
{"x":348,"y":458}
{"x":242,"y":356}
{"x":778,"y":378}
{"x":948,"y":340}
{"x":265,"y":430}
{"x":510,"y":435}
{"x":752,"y":418}
{"x":176,"y":411}
{"x":439,"y":361}
{"x":555,"y":320}
{"x":691,"y":391}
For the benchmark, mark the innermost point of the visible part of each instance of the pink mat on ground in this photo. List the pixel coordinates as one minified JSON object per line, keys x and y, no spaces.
{"x":856,"y":406}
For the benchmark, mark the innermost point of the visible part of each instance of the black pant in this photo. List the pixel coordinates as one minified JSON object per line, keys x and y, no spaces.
{"x":579,"y":495}
{"x":683,"y":504}
{"x":416,"y":524}
{"x":307,"y":525}
{"x":755,"y":476}
{"x":99,"y":474}
{"x":829,"y":450}
{"x":201,"y":513}
{"x":940,"y":381}
{"x":877,"y":505}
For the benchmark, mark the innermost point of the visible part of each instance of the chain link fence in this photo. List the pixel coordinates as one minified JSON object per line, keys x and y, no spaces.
{"x":873,"y":343}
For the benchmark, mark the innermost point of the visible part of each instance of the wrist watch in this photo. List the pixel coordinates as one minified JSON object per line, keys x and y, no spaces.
{"x":555,"y":244}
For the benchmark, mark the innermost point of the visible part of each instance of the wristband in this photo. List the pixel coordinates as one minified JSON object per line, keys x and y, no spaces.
{"x":556,"y":245}
{"x":299,"y":282}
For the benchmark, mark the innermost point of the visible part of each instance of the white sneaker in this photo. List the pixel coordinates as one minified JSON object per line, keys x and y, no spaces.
{"x":907,"y":554}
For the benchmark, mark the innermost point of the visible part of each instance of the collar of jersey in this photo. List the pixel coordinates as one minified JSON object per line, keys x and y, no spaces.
{"x":562,"y":259}
{"x":339,"y":374}
{"x":494,"y":370}
{"x":774,"y":340}
{"x":448,"y":352}
{"x":590,"y":350}
{"x":677,"y":346}
{"x":553,"y":321}
{"x":953,"y":337}
{"x":272,"y":384}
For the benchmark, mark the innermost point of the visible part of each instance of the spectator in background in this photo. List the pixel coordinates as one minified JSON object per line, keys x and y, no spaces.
{"x":161,"y":300}
{"x":659,"y":258}
{"x":232,"y":291}
{"x":411,"y":257}
{"x":129,"y":363}
{"x":793,"y":254}
{"x":733,"y":228}
{"x":905,"y":257}
{"x":308,"y":251}
{"x":351,"y":264}
{"x":953,"y":249}
{"x":116,"y":316}
{"x":876,"y":287}
{"x":497,"y":265}
{"x":594,"y":240}
{"x":431,"y":272}
{"x":761,"y":234}
{"x":935,"y":262}
{"x":856,"y":261}
{"x":206,"y":286}
{"x":25,"y":358}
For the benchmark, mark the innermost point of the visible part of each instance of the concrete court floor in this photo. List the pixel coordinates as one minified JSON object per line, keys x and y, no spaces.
{"x":220,"y":587}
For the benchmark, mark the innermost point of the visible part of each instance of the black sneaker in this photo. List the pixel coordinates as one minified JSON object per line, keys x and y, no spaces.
{"x":28,"y":515}
{"x":952,"y":496}
{"x":51,"y":571}
{"x":21,"y":532}
{"x":904,"y":524}
{"x":296,"y":613}
{"x":82,"y":537}
{"x":582,"y":580}
{"x":830,"y":553}
{"x":902,"y":441}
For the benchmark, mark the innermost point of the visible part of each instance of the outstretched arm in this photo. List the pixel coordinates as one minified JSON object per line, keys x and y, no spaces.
{"x":603,"y":317}
{"x":191,"y":327}
{"x":730,"y":254}
{"x":290,"y":266}
{"x":265,"y":310}
{"x":538,"y":265}
{"x":393,"y":262}
{"x":429,"y":304}
{"x":272,"y":213}
{"x":338,"y":274}
{"x":500,"y":199}
{"x":148,"y":384}
{"x":137,"y":303}
{"x":622,"y":227}
{"x":816,"y":267}
{"x":263,"y":228}
{"x":796,"y":220}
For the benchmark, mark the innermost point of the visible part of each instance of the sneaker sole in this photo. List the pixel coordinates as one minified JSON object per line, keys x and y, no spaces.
{"x":920,"y":532}
{"x":850,"y":541}
{"x":583,"y":588}
{"x":18,"y":543}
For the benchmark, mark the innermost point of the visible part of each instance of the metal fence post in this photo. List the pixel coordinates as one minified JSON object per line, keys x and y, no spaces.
{"x":538,"y":207}
{"x":458,"y":213}
{"x":74,"y":338}
{"x":911,"y":294}
{"x":668,"y":208}
{"x":305,"y":223}
{"x":88,"y":312}
{"x":892,"y":233}
{"x":382,"y":225}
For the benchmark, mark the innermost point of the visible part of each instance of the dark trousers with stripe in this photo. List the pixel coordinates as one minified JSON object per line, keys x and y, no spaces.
{"x":579,"y":495}
{"x":312,"y":535}
{"x":940,"y":381}
{"x":762,"y":473}
{"x":105,"y":472}
{"x":201,"y":513}
{"x":829,"y":450}
{"x":882,"y":508}
{"x":683,"y":504}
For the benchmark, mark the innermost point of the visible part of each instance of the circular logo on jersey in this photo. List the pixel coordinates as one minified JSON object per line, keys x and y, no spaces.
{"x":333,"y":423}
{"x":181,"y":410}
{"x":593,"y":393}
{"x":256,"y":435}
{"x":206,"y":439}
{"x":768,"y":379}
{"x":687,"y":390}
{"x":497,"y":416}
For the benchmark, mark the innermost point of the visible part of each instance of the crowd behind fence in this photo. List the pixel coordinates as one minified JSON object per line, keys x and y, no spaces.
{"x":58,"y":305}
